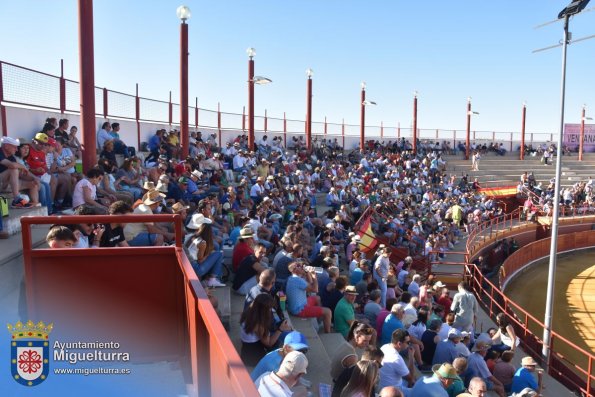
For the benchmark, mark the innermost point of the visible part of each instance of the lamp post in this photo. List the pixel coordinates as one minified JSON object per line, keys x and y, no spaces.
{"x":362,"y":133}
{"x":523,"y":130}
{"x":467,"y":140}
{"x":251,"y":53}
{"x":87,"y":83}
{"x":582,"y":137}
{"x":309,"y":74}
{"x":183,"y":12}
{"x":415,"y":123}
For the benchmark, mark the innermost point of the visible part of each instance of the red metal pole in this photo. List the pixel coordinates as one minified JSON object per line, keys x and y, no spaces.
{"x":2,"y":108}
{"x":382,"y":130}
{"x":87,"y":83}
{"x":62,"y":88}
{"x":467,"y":141}
{"x":137,"y":114}
{"x":582,"y":137}
{"x":523,"y":131}
{"x":184,"y":131}
{"x":105,"y":104}
{"x":362,"y":131}
{"x":219,"y":122}
{"x":309,"y":114}
{"x":171,"y":111}
{"x":415,"y":124}
{"x":325,"y":127}
{"x":251,"y":104}
{"x":266,"y":121}
{"x":284,"y":130}
{"x":244,"y":118}
{"x":399,"y":130}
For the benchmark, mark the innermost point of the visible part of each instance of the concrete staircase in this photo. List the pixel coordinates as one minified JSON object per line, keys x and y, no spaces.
{"x":506,"y":170}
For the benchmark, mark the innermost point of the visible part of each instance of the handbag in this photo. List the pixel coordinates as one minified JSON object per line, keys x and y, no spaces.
{"x":3,"y":206}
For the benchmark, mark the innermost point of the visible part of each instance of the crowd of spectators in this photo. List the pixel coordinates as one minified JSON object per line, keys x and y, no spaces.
{"x":291,"y":254}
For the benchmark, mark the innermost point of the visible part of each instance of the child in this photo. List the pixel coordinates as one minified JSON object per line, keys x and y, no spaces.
{"x":60,"y":236}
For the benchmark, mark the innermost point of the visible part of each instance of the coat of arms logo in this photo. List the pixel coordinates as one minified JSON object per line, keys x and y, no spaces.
{"x":29,"y":352}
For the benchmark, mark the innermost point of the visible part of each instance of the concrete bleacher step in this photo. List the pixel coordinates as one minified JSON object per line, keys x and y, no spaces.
{"x":12,"y":223}
{"x":319,"y":361}
{"x":223,"y":296}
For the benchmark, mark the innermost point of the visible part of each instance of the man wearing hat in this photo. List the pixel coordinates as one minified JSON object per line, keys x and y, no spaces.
{"x":524,"y":376}
{"x":446,"y":350}
{"x":244,"y":247}
{"x":12,"y":174}
{"x":294,"y":341}
{"x":147,"y":234}
{"x":477,"y":366}
{"x":196,"y":193}
{"x":435,"y":385}
{"x":344,"y":314}
{"x":281,"y":382}
{"x":239,"y":162}
{"x":257,"y":191}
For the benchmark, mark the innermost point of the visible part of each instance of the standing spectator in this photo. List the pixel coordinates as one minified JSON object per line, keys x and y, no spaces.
{"x":465,"y":307}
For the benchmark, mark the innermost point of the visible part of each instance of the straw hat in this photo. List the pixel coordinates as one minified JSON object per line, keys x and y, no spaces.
{"x":161,"y":187}
{"x":528,"y":361}
{"x":445,"y":371}
{"x":197,"y":220}
{"x":350,"y":289}
{"x":148,"y":185}
{"x":179,"y":207}
{"x":196,"y":174}
{"x":246,"y":232}
{"x":153,"y":197}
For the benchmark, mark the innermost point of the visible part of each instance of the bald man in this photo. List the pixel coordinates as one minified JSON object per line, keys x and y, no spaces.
{"x":390,"y":391}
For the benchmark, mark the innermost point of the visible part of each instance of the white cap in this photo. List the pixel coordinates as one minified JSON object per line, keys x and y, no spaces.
{"x":9,"y":141}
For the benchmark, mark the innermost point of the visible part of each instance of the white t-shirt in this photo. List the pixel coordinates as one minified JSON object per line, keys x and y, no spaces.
{"x":393,"y":368}
{"x":270,"y":385}
{"x":78,"y":197}
{"x":256,"y":190}
{"x":131,"y":230}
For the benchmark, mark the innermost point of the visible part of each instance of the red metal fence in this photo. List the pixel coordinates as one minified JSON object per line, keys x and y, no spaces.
{"x":23,"y":86}
{"x":157,"y":292}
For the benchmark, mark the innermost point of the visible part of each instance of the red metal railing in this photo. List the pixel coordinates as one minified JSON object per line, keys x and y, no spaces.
{"x":209,"y":360}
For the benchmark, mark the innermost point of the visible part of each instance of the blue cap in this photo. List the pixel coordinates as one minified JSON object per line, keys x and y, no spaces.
{"x":296,"y":340}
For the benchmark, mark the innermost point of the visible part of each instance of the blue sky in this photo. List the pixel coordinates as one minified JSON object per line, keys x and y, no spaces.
{"x":447,"y":50}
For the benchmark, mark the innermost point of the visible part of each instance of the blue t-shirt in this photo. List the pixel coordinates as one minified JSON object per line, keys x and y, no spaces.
{"x":154,"y":143}
{"x":296,"y":294}
{"x":446,"y":352}
{"x":269,"y":363}
{"x":523,"y":378}
{"x":391,"y":324}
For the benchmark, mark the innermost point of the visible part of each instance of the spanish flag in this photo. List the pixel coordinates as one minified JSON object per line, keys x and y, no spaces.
{"x":368,"y":240}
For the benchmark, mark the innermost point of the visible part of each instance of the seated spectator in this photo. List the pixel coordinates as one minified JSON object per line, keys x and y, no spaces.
{"x":446,"y":350}
{"x":372,"y":308}
{"x":256,"y":335}
{"x":147,"y":234}
{"x":345,"y":356}
{"x":60,"y":236}
{"x":363,"y":379}
{"x":478,"y":367}
{"x":344,"y":315}
{"x":332,"y":293}
{"x":293,"y":341}
{"x":113,"y":233}
{"x":395,"y":370}
{"x":249,"y":269}
{"x":85,"y":192}
{"x":524,"y":376}
{"x":16,"y":175}
{"x":205,"y":260}
{"x":392,"y":323}
{"x":243,"y":248}
{"x":299,"y":304}
{"x":458,"y":385}
{"x":504,"y":370}
{"x":280,"y":383}
{"x":435,"y":385}
{"x":430,"y":340}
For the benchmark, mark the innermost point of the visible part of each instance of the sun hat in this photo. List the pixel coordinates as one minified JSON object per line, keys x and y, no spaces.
{"x":439,"y":284}
{"x":197,"y":220}
{"x":10,"y":141}
{"x":179,"y":207}
{"x":162,"y":187}
{"x":445,"y":371}
{"x":196,"y":174}
{"x":296,"y":340}
{"x":148,"y":185}
{"x":528,"y":361}
{"x":246,"y":232}
{"x":153,"y":197}
{"x":350,"y":289}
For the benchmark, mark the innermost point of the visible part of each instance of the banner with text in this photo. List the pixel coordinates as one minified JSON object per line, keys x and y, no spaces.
{"x":572,"y":133}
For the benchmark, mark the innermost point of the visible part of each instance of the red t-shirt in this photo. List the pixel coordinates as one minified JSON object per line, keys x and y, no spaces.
{"x":240,"y":252}
{"x":36,"y":159}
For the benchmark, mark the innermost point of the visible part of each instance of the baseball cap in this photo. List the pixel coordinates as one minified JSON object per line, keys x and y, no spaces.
{"x":296,"y":340}
{"x":294,"y":363}
{"x":9,"y":141}
{"x":41,"y":137}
